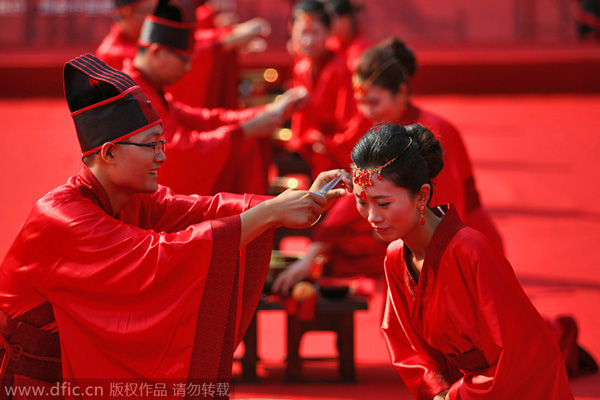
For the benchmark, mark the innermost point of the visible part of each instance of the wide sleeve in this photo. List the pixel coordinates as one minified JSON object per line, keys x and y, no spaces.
{"x":167,"y":211}
{"x":421,"y":367}
{"x":339,"y":146}
{"x":523,"y":356}
{"x":134,"y":302}
{"x":208,"y":119}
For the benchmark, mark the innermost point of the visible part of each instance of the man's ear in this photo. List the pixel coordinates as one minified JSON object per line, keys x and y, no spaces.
{"x":154,"y":48}
{"x":106,"y":152}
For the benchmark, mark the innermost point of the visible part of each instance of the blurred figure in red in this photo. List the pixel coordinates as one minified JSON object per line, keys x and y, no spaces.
{"x":210,"y":146}
{"x":347,"y":38}
{"x":331,"y":104}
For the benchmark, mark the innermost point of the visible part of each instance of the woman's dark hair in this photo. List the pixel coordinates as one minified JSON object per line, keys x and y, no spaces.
{"x":420,"y":154}
{"x":389,"y":64}
{"x":314,"y":8}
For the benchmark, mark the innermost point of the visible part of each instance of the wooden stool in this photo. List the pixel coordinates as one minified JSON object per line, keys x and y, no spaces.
{"x":330,"y":315}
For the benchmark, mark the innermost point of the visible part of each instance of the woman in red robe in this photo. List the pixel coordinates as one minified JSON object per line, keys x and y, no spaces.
{"x":382,"y":90}
{"x":457,"y":323}
{"x":331,"y":104}
{"x":347,"y":38}
{"x":383,"y":94}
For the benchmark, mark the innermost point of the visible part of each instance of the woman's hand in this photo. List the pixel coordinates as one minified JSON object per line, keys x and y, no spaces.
{"x":293,"y":274}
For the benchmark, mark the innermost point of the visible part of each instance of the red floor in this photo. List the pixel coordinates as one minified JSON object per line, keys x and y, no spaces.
{"x":536,"y":161}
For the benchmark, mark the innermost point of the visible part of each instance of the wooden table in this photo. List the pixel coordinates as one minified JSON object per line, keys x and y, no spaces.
{"x":335,"y":315}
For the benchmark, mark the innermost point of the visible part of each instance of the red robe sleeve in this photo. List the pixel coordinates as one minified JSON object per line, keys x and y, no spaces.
{"x":519,"y":368}
{"x":207,"y":119}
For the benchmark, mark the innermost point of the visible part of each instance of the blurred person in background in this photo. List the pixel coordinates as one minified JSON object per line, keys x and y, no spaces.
{"x":348,"y":40}
{"x":331,"y":104}
{"x":212,"y":148}
{"x":382,"y":91}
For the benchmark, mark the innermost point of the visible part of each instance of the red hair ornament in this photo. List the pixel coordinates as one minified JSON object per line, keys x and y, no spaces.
{"x":364,"y":176}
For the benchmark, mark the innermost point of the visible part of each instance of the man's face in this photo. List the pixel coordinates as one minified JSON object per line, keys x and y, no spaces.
{"x":170,"y":66}
{"x":136,"y":167}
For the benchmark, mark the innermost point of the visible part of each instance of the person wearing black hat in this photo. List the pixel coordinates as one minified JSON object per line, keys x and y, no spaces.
{"x":142,"y":285}
{"x":215,"y":149}
{"x":121,"y":41}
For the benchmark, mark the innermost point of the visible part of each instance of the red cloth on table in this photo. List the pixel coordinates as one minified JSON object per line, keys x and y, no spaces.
{"x":467,"y":324}
{"x":160,"y":292}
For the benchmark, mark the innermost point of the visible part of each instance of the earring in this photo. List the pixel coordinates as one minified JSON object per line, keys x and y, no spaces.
{"x":422,"y":208}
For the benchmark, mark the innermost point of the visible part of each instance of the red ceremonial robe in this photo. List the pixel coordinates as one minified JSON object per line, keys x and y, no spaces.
{"x":204,"y":146}
{"x":214,"y":74}
{"x":330,"y":106}
{"x":161,"y":292}
{"x":456,"y":183}
{"x":467,"y":324}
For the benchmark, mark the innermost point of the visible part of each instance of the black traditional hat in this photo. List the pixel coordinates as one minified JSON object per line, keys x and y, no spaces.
{"x":172,"y":25}
{"x":120,"y":113}
{"x":123,"y":3}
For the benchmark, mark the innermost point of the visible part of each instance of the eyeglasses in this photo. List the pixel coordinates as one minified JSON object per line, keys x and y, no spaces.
{"x":157,"y":147}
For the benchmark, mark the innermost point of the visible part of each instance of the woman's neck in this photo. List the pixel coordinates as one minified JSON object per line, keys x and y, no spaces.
{"x":418,"y":239}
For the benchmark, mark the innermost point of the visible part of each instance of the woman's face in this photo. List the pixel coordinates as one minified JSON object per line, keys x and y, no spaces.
{"x":392,"y":211}
{"x":381,"y":105}
{"x":309,"y":36}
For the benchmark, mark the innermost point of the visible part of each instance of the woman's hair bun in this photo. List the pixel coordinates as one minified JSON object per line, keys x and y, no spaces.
{"x":430,"y":148}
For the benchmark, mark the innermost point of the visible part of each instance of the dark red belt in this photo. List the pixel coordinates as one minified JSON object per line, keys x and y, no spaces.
{"x":29,"y":351}
{"x":471,"y":361}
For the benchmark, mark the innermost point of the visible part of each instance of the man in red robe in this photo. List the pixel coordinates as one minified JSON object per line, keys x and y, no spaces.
{"x":209,"y":80}
{"x":121,"y":41}
{"x":214,"y":149}
{"x":143,"y":285}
